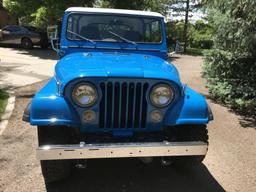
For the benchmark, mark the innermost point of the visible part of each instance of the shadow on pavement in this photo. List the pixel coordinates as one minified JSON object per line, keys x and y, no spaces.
{"x":35,"y":51}
{"x":41,"y":53}
{"x":130,"y":175}
{"x":248,"y":122}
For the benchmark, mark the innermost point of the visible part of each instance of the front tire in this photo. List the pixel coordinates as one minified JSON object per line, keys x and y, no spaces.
{"x":54,"y":170}
{"x":190,"y":133}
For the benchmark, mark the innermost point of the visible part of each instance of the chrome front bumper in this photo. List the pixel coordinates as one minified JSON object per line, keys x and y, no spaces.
{"x":119,"y":150}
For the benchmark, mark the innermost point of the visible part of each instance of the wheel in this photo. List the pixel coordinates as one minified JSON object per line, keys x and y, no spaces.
{"x":54,"y":170}
{"x":190,"y":133}
{"x":26,"y":43}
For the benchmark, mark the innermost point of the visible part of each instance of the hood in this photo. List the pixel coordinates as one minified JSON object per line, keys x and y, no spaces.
{"x":98,"y":64}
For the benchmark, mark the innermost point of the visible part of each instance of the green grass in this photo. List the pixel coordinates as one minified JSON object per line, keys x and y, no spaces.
{"x":3,"y":100}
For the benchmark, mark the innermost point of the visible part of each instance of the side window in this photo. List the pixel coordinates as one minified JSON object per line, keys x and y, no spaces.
{"x":73,"y":26}
{"x":153,"y":32}
{"x":15,"y":28}
{"x":148,"y":33}
{"x":69,"y":27}
{"x":156,"y":31}
{"x":12,"y":28}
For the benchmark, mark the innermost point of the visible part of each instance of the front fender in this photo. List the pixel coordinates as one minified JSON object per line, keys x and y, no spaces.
{"x":48,"y":108}
{"x":191,"y":109}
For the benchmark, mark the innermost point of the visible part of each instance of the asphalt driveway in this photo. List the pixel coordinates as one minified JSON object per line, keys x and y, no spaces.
{"x":20,"y":67}
{"x":230,"y":164}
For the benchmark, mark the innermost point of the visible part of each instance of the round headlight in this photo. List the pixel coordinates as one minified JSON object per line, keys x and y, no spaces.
{"x":161,"y":95}
{"x":85,"y":95}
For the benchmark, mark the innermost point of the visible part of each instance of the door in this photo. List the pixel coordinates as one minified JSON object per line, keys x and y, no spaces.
{"x":10,"y":35}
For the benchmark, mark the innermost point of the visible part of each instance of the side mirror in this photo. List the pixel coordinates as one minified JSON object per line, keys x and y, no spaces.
{"x":52,"y":32}
{"x":55,"y":43}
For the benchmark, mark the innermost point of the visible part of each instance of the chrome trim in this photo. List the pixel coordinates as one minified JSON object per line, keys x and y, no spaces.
{"x":119,"y":150}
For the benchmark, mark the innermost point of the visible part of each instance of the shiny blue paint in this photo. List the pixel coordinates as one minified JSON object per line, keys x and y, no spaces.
{"x":47,"y":108}
{"x":119,"y":62}
{"x":191,"y":109}
{"x":101,"y":64}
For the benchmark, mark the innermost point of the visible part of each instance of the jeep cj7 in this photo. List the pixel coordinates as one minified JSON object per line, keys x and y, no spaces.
{"x":115,"y":95}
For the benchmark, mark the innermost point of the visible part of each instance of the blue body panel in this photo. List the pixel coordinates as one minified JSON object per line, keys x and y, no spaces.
{"x":49,"y":108}
{"x":115,"y":63}
{"x":102,"y":64}
{"x":192,"y":109}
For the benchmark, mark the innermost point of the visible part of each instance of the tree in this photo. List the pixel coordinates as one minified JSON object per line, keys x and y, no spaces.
{"x":183,"y":8}
{"x":200,"y":36}
{"x":230,"y":68}
{"x":186,"y":27}
{"x":152,"y":5}
{"x":43,"y":12}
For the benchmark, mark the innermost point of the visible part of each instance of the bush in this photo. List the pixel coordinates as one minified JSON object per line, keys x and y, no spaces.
{"x":3,"y":100}
{"x":230,"y":68}
{"x":199,"y":34}
{"x":231,"y":80}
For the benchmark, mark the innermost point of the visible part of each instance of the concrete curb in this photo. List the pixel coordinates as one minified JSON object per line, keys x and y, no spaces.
{"x":7,"y":114}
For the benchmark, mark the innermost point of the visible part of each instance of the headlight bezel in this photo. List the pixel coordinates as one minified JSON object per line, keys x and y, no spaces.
{"x":75,"y":100}
{"x":161,"y":85}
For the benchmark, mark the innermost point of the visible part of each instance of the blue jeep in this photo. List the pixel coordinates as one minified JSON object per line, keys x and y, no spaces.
{"x":115,"y":94}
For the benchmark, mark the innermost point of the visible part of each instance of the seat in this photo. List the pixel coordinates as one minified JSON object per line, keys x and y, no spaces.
{"x":90,"y":32}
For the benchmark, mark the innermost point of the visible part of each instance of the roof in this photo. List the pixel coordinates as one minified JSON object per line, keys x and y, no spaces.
{"x":113,"y":11}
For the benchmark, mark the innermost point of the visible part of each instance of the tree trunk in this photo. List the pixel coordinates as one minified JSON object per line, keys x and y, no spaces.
{"x":186,"y":27}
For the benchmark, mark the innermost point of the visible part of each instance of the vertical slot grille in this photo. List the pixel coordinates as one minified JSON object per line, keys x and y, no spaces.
{"x":123,"y":105}
{"x":109,"y":105}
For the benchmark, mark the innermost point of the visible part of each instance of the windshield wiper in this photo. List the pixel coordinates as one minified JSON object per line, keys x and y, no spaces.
{"x":82,"y":37}
{"x":122,"y":38}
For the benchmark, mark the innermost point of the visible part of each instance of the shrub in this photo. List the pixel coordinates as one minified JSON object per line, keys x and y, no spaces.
{"x":3,"y":100}
{"x":230,"y":68}
{"x":231,"y":79}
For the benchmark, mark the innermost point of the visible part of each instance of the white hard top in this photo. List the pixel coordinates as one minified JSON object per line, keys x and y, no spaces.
{"x":114,"y":11}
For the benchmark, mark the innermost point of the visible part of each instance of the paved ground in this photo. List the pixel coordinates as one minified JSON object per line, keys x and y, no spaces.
{"x":20,"y":67}
{"x":230,"y":164}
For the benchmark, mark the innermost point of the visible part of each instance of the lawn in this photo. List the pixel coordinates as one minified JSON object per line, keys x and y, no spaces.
{"x":3,"y":100}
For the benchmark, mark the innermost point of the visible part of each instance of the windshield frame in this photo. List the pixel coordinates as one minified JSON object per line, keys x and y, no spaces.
{"x":160,"y":19}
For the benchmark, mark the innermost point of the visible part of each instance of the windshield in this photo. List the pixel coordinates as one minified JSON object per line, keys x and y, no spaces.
{"x":109,"y":28}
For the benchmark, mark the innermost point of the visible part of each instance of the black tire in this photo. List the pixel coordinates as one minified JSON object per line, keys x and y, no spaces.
{"x":190,"y":133}
{"x":26,"y":43}
{"x":54,"y":170}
